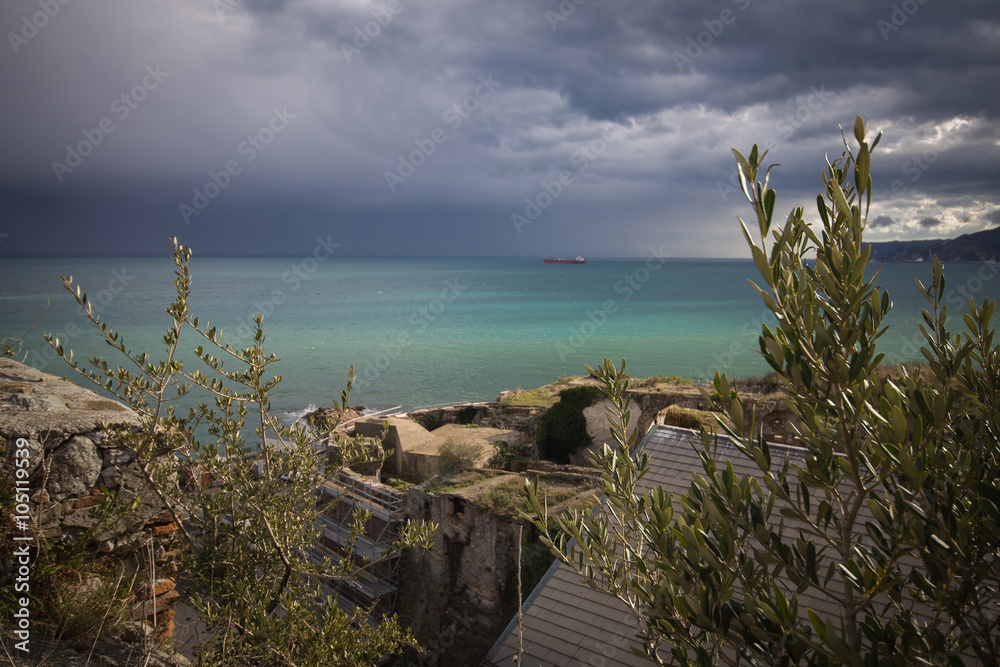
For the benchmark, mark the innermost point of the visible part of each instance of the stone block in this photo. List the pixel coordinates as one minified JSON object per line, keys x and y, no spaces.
{"x":156,"y":606}
{"x":160,"y":586}
{"x":74,"y":467}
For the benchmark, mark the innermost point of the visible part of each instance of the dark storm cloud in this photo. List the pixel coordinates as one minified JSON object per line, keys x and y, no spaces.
{"x":881,"y":221}
{"x":929,"y":223}
{"x":429,"y":128}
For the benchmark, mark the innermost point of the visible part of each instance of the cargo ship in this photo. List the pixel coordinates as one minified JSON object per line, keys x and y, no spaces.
{"x":578,"y":260}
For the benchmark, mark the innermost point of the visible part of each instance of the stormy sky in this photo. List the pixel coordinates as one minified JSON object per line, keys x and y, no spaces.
{"x":479,"y":127}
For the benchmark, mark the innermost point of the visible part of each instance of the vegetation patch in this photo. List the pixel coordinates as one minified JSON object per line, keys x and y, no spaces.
{"x":397,"y":483}
{"x":456,"y":457}
{"x":529,"y":398}
{"x":461,"y":481}
{"x":77,"y":596}
{"x":563,"y":430}
{"x":657,"y":380}
{"x":507,"y":498}
{"x":507,"y":456}
{"x":688,"y":418}
{"x":762,"y":385}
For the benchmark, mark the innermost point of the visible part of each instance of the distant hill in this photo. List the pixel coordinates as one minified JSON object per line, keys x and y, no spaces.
{"x":978,"y":247}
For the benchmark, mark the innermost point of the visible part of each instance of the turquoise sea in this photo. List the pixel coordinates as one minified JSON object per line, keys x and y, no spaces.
{"x":429,"y":331}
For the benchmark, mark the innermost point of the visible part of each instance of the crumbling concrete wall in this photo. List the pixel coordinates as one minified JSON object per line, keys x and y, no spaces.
{"x":459,"y":596}
{"x":493,"y":415}
{"x":73,"y":467}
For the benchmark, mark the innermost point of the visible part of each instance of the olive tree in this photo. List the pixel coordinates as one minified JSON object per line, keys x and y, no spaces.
{"x":252,"y":574}
{"x":889,"y":518}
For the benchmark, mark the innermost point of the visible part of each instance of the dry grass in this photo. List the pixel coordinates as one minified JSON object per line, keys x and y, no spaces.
{"x":457,"y":457}
{"x":457,"y":482}
{"x":660,"y":380}
{"x":763,"y":386}
{"x":507,"y":498}
{"x":543,"y":397}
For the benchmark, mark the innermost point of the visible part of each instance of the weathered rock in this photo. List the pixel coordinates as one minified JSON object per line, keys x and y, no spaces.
{"x":159,"y":587}
{"x":118,"y":473}
{"x":46,"y":408}
{"x":74,"y":468}
{"x":114,"y":456}
{"x":597,"y":427}
{"x":68,"y":449}
{"x":155,"y":606}
{"x":597,"y":422}
{"x":82,"y":519}
{"x":35,"y":452}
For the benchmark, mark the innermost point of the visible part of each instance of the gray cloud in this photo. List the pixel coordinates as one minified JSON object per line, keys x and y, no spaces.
{"x":929,"y":223}
{"x":369,"y":83}
{"x":881,"y":221}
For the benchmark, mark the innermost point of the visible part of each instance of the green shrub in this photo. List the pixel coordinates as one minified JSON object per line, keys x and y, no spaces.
{"x":507,"y":497}
{"x":456,"y":457}
{"x":563,"y":430}
{"x":759,"y":384}
{"x":504,"y":454}
{"x":250,"y":574}
{"x":889,"y":513}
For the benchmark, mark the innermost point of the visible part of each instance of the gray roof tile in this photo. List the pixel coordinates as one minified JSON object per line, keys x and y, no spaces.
{"x":568,"y":623}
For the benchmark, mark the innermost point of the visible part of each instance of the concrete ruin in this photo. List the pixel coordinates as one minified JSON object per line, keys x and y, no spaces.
{"x":412,"y":450}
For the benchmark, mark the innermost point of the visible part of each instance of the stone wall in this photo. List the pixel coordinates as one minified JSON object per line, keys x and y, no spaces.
{"x":74,"y":468}
{"x":460,"y":596}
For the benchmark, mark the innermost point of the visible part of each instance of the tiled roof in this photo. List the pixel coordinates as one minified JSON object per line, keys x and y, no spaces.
{"x":568,"y":623}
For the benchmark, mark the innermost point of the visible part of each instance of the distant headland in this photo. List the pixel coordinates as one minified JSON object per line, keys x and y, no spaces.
{"x":978,"y":247}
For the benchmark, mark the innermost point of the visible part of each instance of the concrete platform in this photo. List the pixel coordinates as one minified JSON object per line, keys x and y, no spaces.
{"x":412,"y":450}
